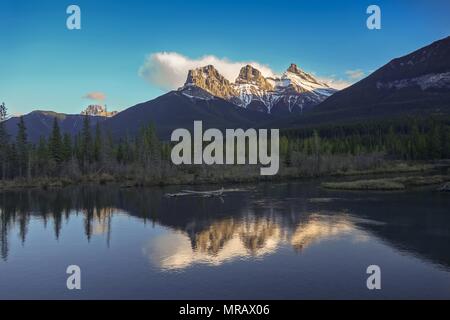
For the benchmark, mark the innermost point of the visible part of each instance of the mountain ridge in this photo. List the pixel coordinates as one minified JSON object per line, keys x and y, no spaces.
{"x":416,"y":84}
{"x":176,"y":109}
{"x":39,"y":124}
{"x":295,"y":91}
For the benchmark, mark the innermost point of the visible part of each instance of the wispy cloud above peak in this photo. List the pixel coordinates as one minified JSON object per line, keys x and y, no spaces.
{"x":96,"y":95}
{"x":355,"y":74}
{"x":168,"y":70}
{"x":335,"y":82}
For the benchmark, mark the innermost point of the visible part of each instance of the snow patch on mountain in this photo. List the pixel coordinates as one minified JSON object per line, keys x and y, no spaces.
{"x":295,"y":89}
{"x":432,"y":80}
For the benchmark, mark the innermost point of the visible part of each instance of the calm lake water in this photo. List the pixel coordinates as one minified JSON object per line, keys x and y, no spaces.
{"x":265,"y":241}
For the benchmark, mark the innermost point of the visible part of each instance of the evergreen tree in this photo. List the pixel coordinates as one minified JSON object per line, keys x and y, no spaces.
{"x":316,"y":143}
{"x":285,"y":149}
{"x":97,"y":143}
{"x":55,"y":143}
{"x":12,"y":158}
{"x":86,"y":146}
{"x":76,"y":149}
{"x":107,"y":151}
{"x":3,"y":111}
{"x":42,"y":155}
{"x":4,"y":141}
{"x":148,"y":146}
{"x":434,"y":142}
{"x":66,"y":147}
{"x":120,"y":153}
{"x":22,"y":147}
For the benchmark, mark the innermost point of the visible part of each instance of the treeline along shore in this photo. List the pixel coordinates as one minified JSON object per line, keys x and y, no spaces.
{"x":384,"y":146}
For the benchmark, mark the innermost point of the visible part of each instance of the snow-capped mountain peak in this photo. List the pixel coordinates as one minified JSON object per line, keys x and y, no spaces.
{"x":98,"y":110}
{"x":301,"y":80}
{"x":292,"y":92}
{"x":296,"y":72}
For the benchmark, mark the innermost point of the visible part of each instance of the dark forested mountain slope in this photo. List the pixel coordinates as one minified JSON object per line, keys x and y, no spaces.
{"x":416,"y":84}
{"x":178,"y":110}
{"x":40,"y":124}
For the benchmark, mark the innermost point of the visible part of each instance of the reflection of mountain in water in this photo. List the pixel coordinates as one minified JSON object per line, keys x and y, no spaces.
{"x":222,"y":241}
{"x":174,"y":250}
{"x":319,"y":228}
{"x":205,"y":230}
{"x":239,"y":239}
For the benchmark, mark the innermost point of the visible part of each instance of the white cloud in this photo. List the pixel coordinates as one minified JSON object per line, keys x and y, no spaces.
{"x":168,"y":70}
{"x":335,"y":82}
{"x":96,"y":95}
{"x":355,"y":74}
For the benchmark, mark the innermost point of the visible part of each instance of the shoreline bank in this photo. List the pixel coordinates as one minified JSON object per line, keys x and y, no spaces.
{"x":287,"y":174}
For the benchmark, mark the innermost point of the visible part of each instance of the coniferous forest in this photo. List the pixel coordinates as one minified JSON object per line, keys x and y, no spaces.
{"x":95,"y":155}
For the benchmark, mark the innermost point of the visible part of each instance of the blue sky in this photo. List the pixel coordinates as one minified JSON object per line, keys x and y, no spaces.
{"x":45,"y":66}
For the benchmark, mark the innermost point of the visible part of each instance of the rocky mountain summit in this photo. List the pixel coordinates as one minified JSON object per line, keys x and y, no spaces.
{"x":98,"y":110}
{"x":209,"y":79}
{"x":294,"y":91}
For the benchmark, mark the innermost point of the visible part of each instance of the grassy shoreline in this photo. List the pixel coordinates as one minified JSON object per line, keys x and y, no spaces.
{"x":388,"y":184}
{"x":246,"y":175}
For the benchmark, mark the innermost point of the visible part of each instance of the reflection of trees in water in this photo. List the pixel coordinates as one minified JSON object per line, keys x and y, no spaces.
{"x":3,"y":235}
{"x":210,"y":226}
{"x":254,"y":224}
{"x":55,"y":206}
{"x":96,"y":204}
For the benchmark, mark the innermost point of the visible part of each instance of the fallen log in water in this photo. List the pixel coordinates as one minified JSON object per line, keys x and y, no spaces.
{"x":445,"y":188}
